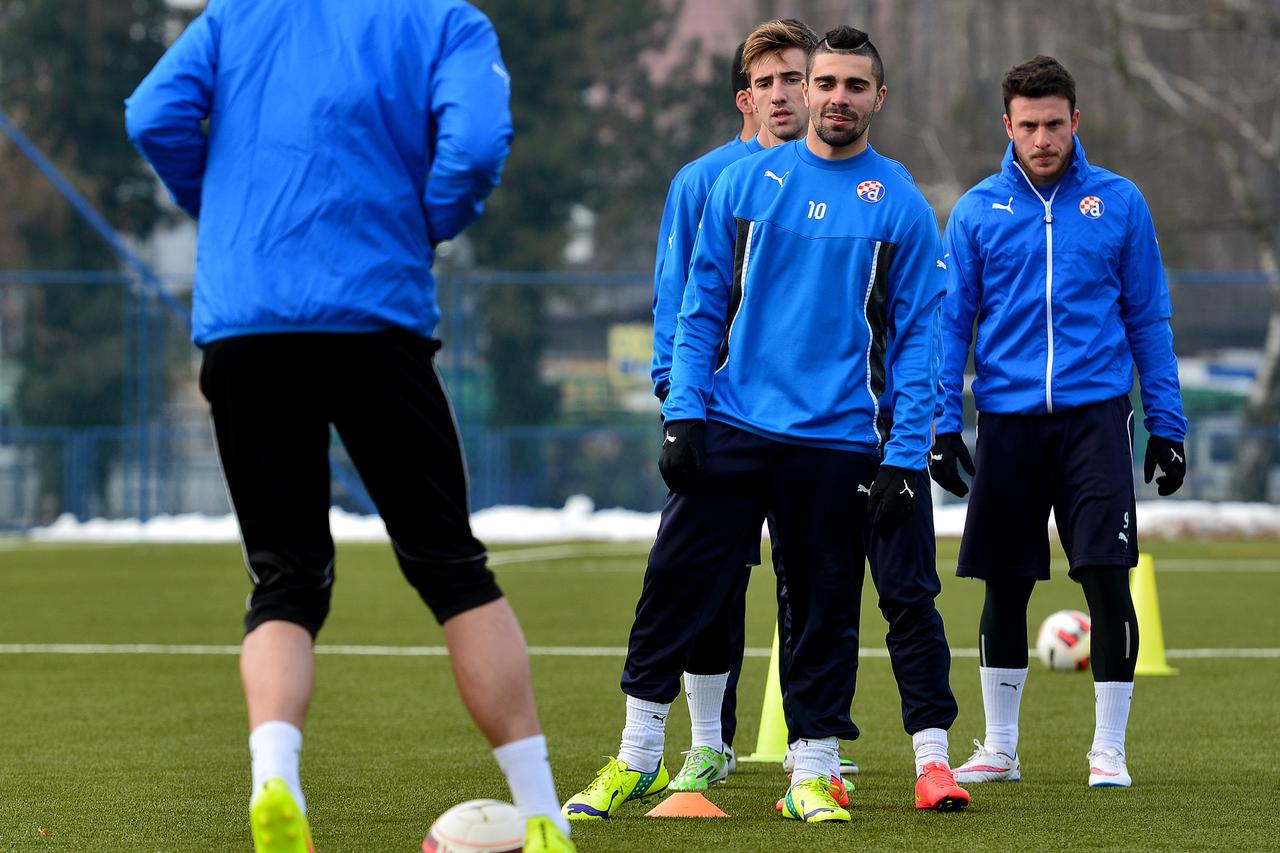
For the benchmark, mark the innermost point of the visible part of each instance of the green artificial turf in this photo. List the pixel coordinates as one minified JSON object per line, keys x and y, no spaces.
{"x":148,"y":752}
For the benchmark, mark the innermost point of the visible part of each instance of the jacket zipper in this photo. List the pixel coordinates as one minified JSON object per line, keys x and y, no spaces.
{"x":1048,"y":283}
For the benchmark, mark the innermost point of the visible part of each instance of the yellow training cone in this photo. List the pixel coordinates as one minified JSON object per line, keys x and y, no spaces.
{"x":1142,"y":586}
{"x":771,"y":743}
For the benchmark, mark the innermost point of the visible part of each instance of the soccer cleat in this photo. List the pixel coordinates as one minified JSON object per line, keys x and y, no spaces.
{"x":987,"y":765}
{"x":541,"y":835}
{"x":614,"y":785}
{"x":839,"y":793}
{"x":936,"y":789}
{"x":811,"y":801}
{"x":848,"y":767}
{"x":279,"y":826}
{"x":732,"y":766}
{"x":703,"y":765}
{"x":1107,"y":769}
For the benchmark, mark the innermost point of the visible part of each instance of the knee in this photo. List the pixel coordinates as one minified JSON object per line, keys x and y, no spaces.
{"x":911,"y":615}
{"x":290,"y":593}
{"x":450,"y":585}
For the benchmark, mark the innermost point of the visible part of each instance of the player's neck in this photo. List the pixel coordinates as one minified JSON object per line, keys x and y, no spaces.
{"x":768,"y":140}
{"x":833,"y":152}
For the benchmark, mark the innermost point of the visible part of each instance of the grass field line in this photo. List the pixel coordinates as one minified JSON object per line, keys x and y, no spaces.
{"x":564,"y":552}
{"x":1211,"y":566}
{"x":442,"y":651}
{"x":554,"y":553}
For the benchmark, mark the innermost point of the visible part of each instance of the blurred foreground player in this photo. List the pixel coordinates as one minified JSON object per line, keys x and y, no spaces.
{"x":1057,"y":259}
{"x":345,"y":140}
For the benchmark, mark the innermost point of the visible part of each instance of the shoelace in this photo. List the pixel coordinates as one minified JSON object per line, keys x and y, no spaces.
{"x":606,"y":777}
{"x":939,"y":773}
{"x":979,"y":751}
{"x":820,"y":786}
{"x":699,"y":754}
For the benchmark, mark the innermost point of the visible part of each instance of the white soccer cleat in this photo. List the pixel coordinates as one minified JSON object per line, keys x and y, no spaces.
{"x":732,"y":766}
{"x":1107,"y":769}
{"x":987,"y":765}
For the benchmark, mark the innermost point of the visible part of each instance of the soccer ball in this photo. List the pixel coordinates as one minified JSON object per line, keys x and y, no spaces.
{"x":1063,"y":641}
{"x":476,"y":826}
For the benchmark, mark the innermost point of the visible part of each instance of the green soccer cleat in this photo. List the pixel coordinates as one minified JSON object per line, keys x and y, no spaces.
{"x":702,"y":766}
{"x":279,"y":825}
{"x":541,"y":835}
{"x":811,"y":801}
{"x":614,"y":785}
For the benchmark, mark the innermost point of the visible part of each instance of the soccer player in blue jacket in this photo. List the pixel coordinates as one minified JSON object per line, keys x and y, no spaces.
{"x":345,"y":140}
{"x":816,"y":274}
{"x":1057,"y":259}
{"x":750,"y":126}
{"x":768,"y":74}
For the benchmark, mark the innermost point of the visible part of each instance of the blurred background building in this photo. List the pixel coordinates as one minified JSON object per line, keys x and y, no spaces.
{"x":547,"y":299}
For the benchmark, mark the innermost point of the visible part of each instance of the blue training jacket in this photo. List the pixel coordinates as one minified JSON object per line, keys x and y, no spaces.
{"x":813,"y":284}
{"x":344,"y":140}
{"x":686,"y":198}
{"x":668,"y":214}
{"x":1069,"y":291}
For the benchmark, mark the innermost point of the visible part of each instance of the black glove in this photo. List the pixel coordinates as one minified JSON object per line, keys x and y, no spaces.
{"x":1171,"y":456}
{"x":892,"y":500}
{"x":948,"y":449}
{"x":684,"y":447}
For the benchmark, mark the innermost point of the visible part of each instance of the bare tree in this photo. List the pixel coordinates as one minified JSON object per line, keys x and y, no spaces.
{"x":1212,"y":67}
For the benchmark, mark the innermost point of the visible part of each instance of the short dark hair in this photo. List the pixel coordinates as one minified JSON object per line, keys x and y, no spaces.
{"x":738,"y":75}
{"x":1040,"y":77}
{"x":847,"y":39}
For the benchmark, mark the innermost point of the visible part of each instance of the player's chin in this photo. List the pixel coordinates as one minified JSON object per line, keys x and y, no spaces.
{"x":838,"y":136}
{"x":789,"y":127}
{"x":1046,"y":166}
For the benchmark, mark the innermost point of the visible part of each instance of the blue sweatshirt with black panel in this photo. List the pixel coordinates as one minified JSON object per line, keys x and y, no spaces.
{"x":685,"y":200}
{"x":1069,"y":293}
{"x":814,"y":286}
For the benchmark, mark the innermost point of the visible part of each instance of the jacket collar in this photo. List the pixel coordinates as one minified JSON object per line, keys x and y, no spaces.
{"x":1075,"y":173}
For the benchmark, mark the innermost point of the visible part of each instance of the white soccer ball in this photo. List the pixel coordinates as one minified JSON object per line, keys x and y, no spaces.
{"x":476,"y":826}
{"x":1063,"y":641}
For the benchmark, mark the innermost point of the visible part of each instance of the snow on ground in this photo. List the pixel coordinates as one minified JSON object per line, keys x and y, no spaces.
{"x":579,"y":520}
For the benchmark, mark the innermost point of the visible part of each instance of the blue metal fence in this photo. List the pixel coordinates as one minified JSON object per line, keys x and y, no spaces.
{"x":161,"y":460}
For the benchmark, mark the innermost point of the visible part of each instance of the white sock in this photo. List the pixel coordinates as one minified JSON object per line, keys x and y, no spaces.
{"x":1001,"y":698}
{"x":274,"y":747}
{"x":930,"y":746}
{"x":814,"y":758}
{"x":524,"y":763}
{"x":644,"y":735}
{"x":1111,"y":713}
{"x":706,"y":697}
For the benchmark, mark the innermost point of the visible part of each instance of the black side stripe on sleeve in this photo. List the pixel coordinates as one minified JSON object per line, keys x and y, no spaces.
{"x":741,"y":261}
{"x":876,"y":310}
